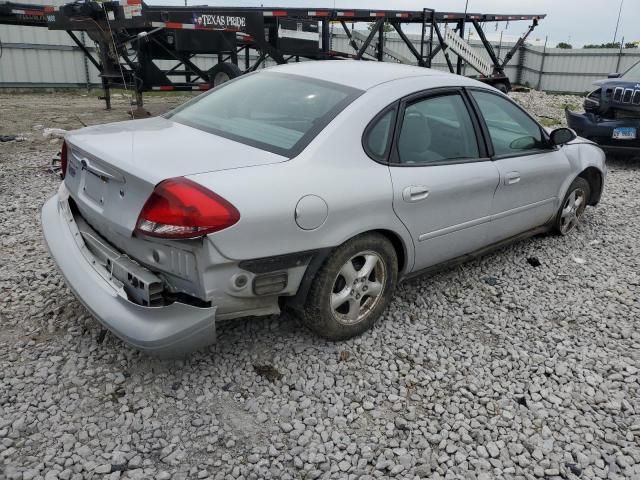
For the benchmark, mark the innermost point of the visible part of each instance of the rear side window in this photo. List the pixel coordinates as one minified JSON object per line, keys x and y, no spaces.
{"x":512,"y":131}
{"x":277,"y":112}
{"x":437,"y":129}
{"x":377,"y":138}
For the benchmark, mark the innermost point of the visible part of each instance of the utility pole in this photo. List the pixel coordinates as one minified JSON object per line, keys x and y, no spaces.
{"x":618,"y":22}
{"x":466,"y":9}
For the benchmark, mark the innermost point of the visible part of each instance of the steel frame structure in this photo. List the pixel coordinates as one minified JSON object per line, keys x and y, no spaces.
{"x":131,"y":35}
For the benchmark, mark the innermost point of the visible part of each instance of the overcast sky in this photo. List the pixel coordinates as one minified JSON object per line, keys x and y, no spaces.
{"x":577,"y":21}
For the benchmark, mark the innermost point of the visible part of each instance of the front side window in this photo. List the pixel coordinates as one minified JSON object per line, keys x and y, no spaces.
{"x":512,"y":131}
{"x":277,"y":112}
{"x":437,"y":129}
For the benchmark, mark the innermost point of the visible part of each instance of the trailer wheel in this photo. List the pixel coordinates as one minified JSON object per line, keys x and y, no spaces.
{"x":223,"y":72}
{"x":502,"y":87}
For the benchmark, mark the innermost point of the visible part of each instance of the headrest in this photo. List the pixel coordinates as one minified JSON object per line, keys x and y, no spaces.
{"x":415,"y":136}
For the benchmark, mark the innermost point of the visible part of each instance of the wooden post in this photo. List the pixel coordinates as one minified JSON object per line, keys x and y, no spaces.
{"x":106,"y":89}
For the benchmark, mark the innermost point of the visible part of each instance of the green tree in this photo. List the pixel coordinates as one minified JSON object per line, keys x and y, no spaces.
{"x":564,"y":45}
{"x":603,"y":45}
{"x":387,"y":27}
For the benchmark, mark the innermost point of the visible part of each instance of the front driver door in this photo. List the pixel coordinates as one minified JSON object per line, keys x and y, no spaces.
{"x":443,"y":182}
{"x":531,"y":169}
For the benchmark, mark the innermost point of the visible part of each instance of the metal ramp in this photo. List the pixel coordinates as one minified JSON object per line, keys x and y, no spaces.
{"x":460,"y":47}
{"x":390,"y":54}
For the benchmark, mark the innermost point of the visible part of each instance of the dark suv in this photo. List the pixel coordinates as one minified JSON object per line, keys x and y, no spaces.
{"x":612,"y":114}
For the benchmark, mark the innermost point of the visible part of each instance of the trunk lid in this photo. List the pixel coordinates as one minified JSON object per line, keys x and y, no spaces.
{"x":114,"y":168}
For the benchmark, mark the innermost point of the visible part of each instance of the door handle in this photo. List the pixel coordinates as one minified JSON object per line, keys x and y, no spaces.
{"x":415,"y":193}
{"x":512,"y":178}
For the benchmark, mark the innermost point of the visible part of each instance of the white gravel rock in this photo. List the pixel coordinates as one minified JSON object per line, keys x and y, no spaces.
{"x":549,"y":109}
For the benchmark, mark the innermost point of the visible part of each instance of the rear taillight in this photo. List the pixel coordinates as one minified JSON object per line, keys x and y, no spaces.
{"x":64,"y":160}
{"x":180,"y":208}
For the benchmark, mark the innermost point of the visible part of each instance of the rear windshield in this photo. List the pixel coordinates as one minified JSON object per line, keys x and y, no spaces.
{"x":277,"y":112}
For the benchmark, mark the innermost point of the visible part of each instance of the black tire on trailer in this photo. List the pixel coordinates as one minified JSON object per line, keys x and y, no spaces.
{"x":344,"y":300}
{"x":572,"y":206}
{"x":223,"y":72}
{"x":502,"y":87}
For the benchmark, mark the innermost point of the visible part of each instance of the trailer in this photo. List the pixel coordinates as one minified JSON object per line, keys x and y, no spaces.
{"x":130,"y":36}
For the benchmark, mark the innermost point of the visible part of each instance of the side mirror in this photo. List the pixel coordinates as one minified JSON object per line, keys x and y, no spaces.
{"x":560,"y":136}
{"x":614,"y":75}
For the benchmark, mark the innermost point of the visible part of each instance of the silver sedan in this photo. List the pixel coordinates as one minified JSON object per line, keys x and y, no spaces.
{"x":315,"y":187}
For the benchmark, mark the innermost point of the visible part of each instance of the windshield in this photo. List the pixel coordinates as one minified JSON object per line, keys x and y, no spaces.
{"x":633,"y":74}
{"x":277,"y":112}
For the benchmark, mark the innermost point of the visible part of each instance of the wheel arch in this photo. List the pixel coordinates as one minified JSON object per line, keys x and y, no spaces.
{"x":595,"y":179}
{"x":398,"y":245}
{"x":297,"y":302}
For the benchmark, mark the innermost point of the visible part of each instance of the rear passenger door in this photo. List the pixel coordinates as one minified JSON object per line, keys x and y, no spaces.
{"x":531,"y":169}
{"x":443,"y":181}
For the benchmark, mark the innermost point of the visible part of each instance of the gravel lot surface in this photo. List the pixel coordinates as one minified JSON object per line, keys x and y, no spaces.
{"x":495,"y":369}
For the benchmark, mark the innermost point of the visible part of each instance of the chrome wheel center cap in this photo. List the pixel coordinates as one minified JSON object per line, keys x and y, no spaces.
{"x":359,"y":288}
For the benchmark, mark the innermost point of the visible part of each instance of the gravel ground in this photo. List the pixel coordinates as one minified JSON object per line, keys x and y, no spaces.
{"x":495,"y":369}
{"x":549,"y":109}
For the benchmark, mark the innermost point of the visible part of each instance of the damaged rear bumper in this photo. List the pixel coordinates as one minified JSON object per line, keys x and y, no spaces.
{"x":166,"y":331}
{"x":600,"y":130}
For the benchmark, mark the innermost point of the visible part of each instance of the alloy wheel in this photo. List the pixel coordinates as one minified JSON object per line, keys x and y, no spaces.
{"x":358,"y":287}
{"x":572,"y":210}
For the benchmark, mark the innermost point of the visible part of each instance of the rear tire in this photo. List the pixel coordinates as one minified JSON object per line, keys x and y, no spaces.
{"x":223,"y":72}
{"x":572,"y":207}
{"x":353,"y":287}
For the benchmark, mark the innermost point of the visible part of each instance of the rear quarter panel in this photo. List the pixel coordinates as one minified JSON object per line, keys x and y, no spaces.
{"x":357,"y":190}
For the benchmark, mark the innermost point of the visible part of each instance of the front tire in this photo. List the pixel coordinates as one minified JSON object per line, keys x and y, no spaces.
{"x":352,"y":288}
{"x":572,"y":207}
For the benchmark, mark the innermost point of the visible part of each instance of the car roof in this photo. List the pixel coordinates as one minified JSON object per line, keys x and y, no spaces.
{"x":367,"y":74}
